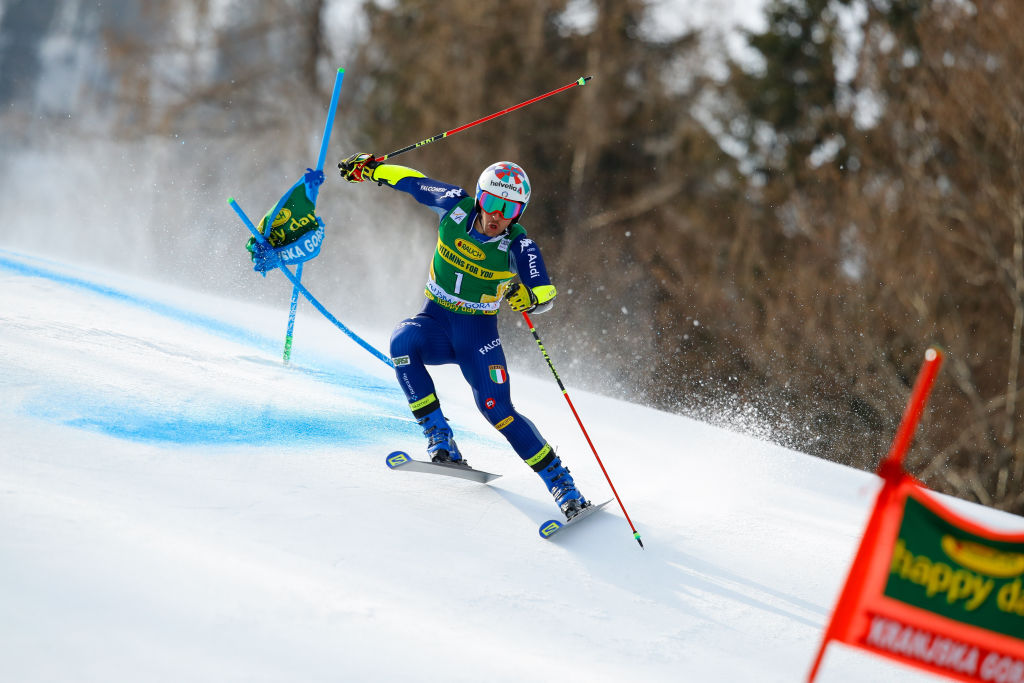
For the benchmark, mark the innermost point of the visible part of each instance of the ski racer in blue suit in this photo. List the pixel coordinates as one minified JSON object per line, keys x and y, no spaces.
{"x":481,"y":249}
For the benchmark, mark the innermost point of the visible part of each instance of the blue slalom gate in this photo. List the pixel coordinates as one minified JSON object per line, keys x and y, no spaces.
{"x":312,"y":180}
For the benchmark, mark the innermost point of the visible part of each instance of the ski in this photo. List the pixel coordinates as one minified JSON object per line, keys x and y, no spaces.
{"x":553,"y":526}
{"x":400,"y":460}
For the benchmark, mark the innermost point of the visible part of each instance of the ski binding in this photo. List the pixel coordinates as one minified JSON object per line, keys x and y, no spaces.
{"x":553,"y":526}
{"x":400,"y":460}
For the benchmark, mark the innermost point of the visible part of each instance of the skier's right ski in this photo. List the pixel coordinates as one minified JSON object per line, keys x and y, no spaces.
{"x":401,"y":460}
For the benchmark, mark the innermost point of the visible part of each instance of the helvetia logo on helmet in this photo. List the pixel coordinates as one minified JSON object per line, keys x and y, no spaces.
{"x":505,"y":186}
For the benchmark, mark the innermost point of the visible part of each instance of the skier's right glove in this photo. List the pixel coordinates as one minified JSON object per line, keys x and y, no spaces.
{"x":358,"y":167}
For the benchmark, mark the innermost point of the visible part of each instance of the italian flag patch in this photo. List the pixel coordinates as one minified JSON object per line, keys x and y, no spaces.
{"x":498,"y":374}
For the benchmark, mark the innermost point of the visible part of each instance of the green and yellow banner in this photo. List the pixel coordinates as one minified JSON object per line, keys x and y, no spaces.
{"x":939,"y":565}
{"x":939,"y":591}
{"x":295,"y":233}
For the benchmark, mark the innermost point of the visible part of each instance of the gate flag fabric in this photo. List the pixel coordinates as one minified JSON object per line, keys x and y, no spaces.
{"x":295,"y":233}
{"x":936,"y":591}
{"x":929,"y":587}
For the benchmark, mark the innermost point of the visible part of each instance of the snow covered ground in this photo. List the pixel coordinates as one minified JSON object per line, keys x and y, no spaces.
{"x":177,"y":505}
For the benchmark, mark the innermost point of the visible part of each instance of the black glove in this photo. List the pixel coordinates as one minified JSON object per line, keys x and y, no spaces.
{"x":358,"y":167}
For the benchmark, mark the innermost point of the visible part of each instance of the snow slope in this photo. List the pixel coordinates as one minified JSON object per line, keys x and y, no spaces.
{"x":176,"y":505}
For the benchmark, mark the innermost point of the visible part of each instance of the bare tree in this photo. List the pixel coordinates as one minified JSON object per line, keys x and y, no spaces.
{"x":952,"y":132}
{"x":181,"y":66}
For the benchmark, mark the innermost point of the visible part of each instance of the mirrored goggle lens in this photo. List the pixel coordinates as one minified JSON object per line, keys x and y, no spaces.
{"x":492,"y":203}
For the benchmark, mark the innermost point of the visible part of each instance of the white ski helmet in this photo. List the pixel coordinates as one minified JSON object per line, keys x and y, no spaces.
{"x":505,"y":180}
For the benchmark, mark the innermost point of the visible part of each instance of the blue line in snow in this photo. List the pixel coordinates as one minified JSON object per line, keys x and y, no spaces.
{"x":210,"y":420}
{"x":219,"y":327}
{"x":214,"y":422}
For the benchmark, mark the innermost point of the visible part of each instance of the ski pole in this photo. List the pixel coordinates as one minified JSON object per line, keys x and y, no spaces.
{"x":294,"y":305}
{"x":579,"y":81}
{"x":540,"y":344}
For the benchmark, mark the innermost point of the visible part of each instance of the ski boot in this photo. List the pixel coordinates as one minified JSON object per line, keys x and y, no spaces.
{"x":558,"y":480}
{"x":441,"y":447}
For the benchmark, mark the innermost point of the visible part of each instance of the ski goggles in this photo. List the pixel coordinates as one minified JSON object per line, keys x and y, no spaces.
{"x":492,"y":203}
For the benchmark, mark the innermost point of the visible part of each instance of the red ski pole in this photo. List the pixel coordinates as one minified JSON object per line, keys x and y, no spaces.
{"x":533,"y":331}
{"x":440,"y":136}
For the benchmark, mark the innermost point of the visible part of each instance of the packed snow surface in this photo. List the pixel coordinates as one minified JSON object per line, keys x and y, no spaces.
{"x":178,"y":505}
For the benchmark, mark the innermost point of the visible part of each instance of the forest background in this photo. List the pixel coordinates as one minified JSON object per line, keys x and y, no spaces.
{"x":763,"y":226}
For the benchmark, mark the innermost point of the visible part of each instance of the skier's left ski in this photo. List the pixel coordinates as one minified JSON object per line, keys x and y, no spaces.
{"x":553,"y":526}
{"x":401,"y":460}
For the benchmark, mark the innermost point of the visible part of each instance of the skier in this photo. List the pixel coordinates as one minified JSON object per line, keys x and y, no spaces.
{"x":481,"y":247}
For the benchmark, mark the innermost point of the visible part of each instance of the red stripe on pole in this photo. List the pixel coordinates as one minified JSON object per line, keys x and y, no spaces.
{"x":580,"y":81}
{"x":513,"y":108}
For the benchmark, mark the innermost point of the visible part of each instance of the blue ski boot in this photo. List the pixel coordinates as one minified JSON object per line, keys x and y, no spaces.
{"x":558,"y":480}
{"x":441,"y":445}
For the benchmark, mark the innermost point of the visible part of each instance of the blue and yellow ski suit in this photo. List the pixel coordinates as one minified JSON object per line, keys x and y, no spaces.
{"x":458,"y":323}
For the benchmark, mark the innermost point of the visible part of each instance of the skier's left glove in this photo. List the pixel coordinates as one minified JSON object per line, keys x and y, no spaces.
{"x":530,"y":299}
{"x":358,"y":167}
